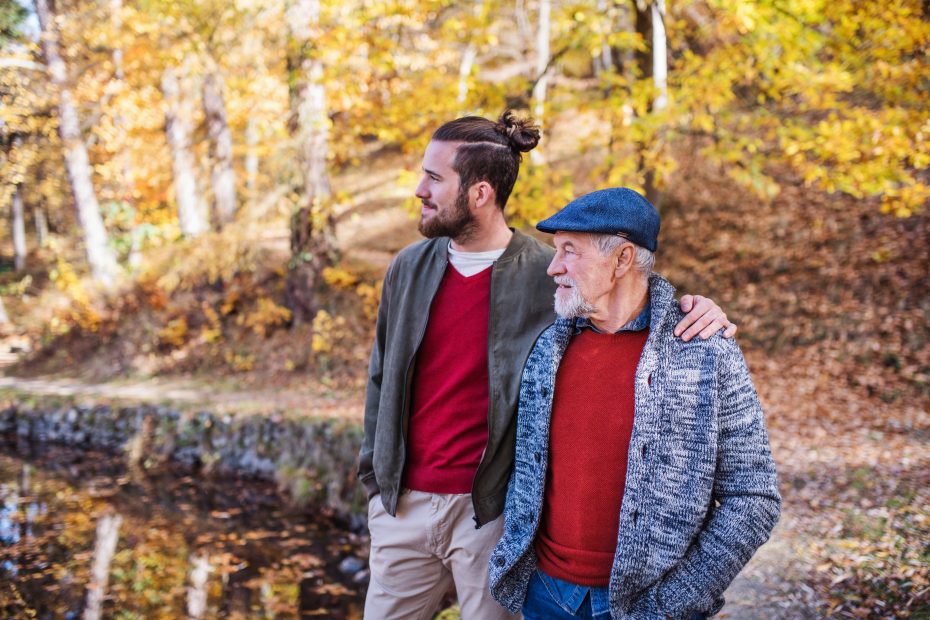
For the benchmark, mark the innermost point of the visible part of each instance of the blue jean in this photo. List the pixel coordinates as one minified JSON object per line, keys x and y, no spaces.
{"x":550,"y":598}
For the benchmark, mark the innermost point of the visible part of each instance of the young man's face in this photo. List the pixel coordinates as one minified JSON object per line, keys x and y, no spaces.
{"x":585,"y":277}
{"x":444,"y":208}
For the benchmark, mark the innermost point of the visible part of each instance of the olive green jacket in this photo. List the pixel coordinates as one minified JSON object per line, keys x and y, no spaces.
{"x":521,"y":307}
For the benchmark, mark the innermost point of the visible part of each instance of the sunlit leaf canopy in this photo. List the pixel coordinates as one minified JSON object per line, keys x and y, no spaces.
{"x":831,"y":94}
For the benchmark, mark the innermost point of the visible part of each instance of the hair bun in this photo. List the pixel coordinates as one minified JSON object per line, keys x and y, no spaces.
{"x":522,"y":133}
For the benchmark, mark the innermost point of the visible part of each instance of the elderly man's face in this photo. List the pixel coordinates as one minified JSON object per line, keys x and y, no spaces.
{"x":584,"y":276}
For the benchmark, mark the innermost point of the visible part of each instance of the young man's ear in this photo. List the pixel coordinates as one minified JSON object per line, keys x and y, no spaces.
{"x":483,"y":194}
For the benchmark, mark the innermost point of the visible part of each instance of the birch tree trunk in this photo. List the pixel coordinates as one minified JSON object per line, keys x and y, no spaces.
{"x":224,"y":178}
{"x":104,"y":549}
{"x":197,"y":590}
{"x":311,"y":224}
{"x":542,"y":70}
{"x":19,"y":218}
{"x":100,"y":256}
{"x":19,"y":230}
{"x":468,"y":61}
{"x":192,"y":214}
{"x":645,"y":61}
{"x":116,"y":86}
{"x":659,"y":55}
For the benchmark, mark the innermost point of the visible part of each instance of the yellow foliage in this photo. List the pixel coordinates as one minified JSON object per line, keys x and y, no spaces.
{"x":327,"y":331}
{"x":266,"y":314}
{"x":229,"y":302}
{"x":213,"y":333}
{"x":239,"y":362}
{"x":81,"y":313}
{"x":205,"y":260}
{"x":339,"y":278}
{"x":174,"y":333}
{"x":370,"y":297}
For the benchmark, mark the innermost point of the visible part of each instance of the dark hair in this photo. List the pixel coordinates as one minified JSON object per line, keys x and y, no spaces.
{"x":491,"y":151}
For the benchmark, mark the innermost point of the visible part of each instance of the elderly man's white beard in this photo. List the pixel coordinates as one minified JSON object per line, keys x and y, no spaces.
{"x":575,"y":304}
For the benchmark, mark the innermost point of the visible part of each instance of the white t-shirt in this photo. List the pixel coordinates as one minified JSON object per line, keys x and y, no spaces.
{"x":470,"y":263}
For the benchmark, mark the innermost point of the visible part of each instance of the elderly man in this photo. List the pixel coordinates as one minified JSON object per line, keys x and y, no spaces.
{"x":643,"y":478}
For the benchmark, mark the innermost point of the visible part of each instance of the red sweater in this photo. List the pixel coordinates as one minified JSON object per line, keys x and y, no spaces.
{"x":592,"y":421}
{"x":449,"y":408}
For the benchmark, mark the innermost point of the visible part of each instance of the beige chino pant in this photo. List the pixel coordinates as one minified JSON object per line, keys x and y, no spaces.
{"x":430,"y":544}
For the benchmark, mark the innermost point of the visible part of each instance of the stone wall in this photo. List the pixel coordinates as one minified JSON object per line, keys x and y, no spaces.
{"x":313,"y":460}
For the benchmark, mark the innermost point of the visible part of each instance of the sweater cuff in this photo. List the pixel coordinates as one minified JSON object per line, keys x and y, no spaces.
{"x":647,"y":606}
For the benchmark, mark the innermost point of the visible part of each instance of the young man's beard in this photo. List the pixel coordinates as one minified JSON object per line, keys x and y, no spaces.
{"x":459,"y":223}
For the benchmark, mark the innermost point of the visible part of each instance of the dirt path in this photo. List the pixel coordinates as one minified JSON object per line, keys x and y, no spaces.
{"x":772,"y":584}
{"x":189,"y":394}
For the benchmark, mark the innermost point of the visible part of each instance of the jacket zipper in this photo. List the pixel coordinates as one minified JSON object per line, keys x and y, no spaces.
{"x":405,"y":421}
{"x":474,"y":502}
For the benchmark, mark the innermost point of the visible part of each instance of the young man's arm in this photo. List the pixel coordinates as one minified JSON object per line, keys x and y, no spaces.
{"x":704,"y":318}
{"x":366,"y":472}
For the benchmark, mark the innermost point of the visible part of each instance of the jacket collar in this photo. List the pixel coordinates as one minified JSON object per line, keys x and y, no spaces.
{"x":661,"y":295}
{"x":518,"y":242}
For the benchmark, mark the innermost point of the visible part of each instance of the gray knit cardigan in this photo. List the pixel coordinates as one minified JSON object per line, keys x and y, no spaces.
{"x":701,"y":493}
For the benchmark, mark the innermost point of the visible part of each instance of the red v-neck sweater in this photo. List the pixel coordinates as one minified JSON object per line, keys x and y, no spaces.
{"x":589,"y":438}
{"x":448,"y":427}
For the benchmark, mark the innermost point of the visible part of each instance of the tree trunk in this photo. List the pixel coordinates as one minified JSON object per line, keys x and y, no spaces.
{"x":542,"y":69}
{"x":100,"y":256}
{"x":642,"y":21}
{"x":523,"y":22}
{"x":197,"y":590}
{"x":41,"y":221}
{"x":19,"y":217}
{"x":124,"y":166}
{"x":192,"y":216}
{"x":224,"y":178}
{"x":659,"y":55}
{"x":468,"y":61}
{"x":312,"y":222}
{"x":104,"y":549}
{"x":603,"y":61}
{"x":19,"y":230}
{"x":4,"y":317}
{"x":251,"y":158}
{"x":645,"y":63}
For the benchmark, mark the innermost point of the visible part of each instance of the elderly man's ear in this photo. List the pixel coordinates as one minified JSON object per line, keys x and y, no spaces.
{"x":704,"y":318}
{"x":624,"y":259}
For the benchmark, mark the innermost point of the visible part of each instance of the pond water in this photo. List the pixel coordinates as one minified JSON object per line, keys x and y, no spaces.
{"x":79,"y":533}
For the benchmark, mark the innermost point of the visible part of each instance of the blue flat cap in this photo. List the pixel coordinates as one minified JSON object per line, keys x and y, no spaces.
{"x":618,"y":210}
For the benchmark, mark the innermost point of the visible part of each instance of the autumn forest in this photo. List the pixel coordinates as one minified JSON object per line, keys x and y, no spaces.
{"x":200,"y":199}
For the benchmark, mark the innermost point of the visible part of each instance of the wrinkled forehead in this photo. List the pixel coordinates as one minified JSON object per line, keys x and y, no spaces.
{"x":575,"y":239}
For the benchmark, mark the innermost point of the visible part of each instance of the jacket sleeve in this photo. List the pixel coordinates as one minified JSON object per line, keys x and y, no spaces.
{"x":366,"y":472}
{"x":745,"y":499}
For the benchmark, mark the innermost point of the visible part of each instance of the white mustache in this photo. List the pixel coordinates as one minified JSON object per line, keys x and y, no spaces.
{"x":564,"y":281}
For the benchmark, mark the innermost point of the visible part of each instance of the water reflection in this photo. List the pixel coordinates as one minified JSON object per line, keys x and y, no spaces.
{"x":81,"y":537}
